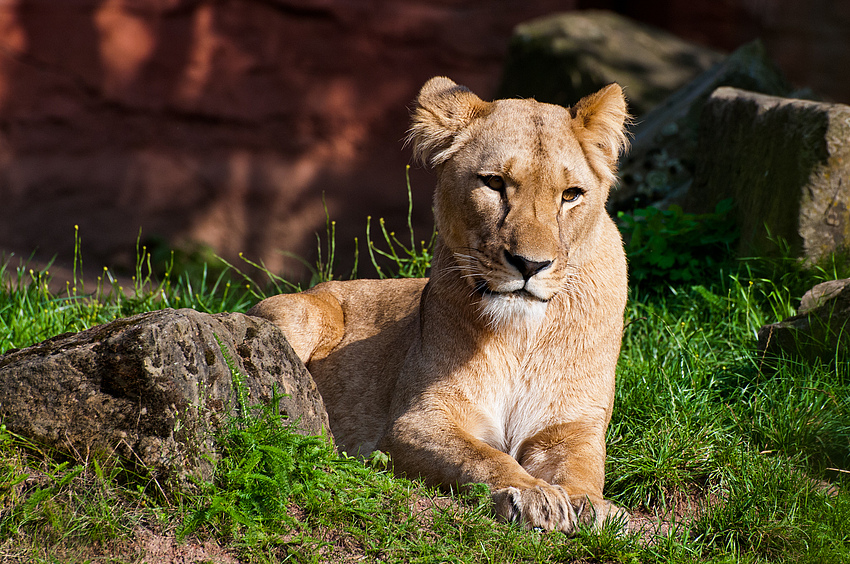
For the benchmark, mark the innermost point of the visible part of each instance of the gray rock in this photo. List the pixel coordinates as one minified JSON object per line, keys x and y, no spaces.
{"x":661,"y":160}
{"x":153,"y":387}
{"x":820,"y":328}
{"x":785,"y":163}
{"x":563,"y":57}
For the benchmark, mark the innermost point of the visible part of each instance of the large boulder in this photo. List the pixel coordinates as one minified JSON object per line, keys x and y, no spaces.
{"x":563,"y":57}
{"x":786,"y":165}
{"x":819,"y":330}
{"x":662,"y":159}
{"x":154,"y":387}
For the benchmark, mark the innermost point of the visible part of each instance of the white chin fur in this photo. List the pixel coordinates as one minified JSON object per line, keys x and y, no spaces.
{"x":510,"y":310}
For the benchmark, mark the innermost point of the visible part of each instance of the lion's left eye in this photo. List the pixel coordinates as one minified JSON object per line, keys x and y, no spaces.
{"x":571,"y":195}
{"x":492,"y":181}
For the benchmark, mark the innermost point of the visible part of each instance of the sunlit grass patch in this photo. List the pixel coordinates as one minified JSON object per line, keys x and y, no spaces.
{"x":736,"y":462}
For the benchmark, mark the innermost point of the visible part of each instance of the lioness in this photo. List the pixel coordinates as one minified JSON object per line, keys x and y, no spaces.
{"x":500,"y":368}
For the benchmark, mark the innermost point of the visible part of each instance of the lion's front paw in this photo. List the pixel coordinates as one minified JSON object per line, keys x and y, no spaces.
{"x":546,"y":507}
{"x":550,"y":508}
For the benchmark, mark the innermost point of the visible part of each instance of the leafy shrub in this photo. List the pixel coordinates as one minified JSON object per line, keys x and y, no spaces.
{"x":670,"y":245}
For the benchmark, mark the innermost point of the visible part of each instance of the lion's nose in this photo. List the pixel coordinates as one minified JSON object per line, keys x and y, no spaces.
{"x":527,"y":268}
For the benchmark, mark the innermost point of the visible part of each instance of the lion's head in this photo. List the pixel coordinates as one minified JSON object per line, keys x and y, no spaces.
{"x":521,"y":188}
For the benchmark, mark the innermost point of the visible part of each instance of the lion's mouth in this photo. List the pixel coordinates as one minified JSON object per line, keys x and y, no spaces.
{"x":482,"y":288}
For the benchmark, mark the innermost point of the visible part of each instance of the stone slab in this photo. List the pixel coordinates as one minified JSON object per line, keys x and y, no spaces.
{"x":786,"y":164}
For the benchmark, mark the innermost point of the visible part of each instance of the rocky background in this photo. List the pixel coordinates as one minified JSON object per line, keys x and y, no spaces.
{"x":226,"y":124}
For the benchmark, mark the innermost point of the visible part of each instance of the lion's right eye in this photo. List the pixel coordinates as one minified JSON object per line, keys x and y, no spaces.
{"x":571,"y":195}
{"x":493,"y":181}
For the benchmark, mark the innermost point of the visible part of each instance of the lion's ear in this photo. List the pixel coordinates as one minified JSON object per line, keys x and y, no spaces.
{"x":443,"y":109}
{"x":603,"y":115}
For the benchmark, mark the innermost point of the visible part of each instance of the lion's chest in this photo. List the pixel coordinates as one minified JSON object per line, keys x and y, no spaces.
{"x":511,"y":414}
{"x":515,"y":399}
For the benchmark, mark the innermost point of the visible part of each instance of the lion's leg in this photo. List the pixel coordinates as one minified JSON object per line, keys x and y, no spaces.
{"x":573,"y":461}
{"x":558,"y":486}
{"x":312,"y":321}
{"x":572,"y":455}
{"x":451,"y":456}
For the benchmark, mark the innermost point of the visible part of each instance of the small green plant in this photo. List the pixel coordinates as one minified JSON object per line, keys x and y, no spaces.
{"x":670,"y":246}
{"x":406,"y":261}
{"x":397,"y":260}
{"x":265,"y":465}
{"x":323,"y":269}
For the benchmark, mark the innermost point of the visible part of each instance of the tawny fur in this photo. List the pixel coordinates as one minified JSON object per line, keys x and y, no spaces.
{"x":486,"y":373}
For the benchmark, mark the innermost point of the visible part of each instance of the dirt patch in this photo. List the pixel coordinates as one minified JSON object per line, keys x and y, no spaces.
{"x":163,"y":549}
{"x":423,"y":508}
{"x":680,"y":510}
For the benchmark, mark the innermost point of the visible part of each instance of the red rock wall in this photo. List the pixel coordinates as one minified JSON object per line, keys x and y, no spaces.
{"x":225,"y":121}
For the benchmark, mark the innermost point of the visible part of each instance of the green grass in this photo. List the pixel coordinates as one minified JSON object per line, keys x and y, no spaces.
{"x":30,"y":312}
{"x":697,"y":418}
{"x":743,"y":464}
